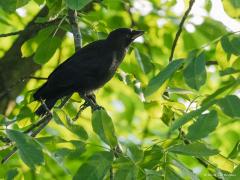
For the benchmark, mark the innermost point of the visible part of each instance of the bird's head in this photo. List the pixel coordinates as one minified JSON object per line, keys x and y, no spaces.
{"x":123,"y":37}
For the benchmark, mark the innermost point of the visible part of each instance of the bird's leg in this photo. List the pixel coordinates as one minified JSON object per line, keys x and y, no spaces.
{"x":45,"y":106}
{"x":90,"y":99}
{"x":82,"y":107}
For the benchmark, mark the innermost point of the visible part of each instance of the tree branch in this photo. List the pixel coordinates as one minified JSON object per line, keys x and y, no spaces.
{"x":72,"y":17}
{"x":11,"y":34}
{"x":191,"y":2}
{"x":13,"y":65}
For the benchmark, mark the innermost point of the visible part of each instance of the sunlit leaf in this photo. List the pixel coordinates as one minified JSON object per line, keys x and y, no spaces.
{"x":11,"y":174}
{"x":57,"y":119}
{"x":25,"y":112}
{"x":195,"y":73}
{"x":204,"y":125}
{"x":96,"y":167}
{"x":153,"y":175}
{"x":29,"y":150}
{"x":152,"y":157}
{"x":171,"y":174}
{"x":229,"y":104}
{"x":185,"y":170}
{"x":143,"y":61}
{"x":188,"y":116}
{"x":230,"y":44}
{"x":235,"y":174}
{"x":79,"y":131}
{"x":235,"y":3}
{"x":194,"y":149}
{"x":229,"y":71}
{"x":134,"y":152}
{"x":236,"y":150}
{"x":77,"y":4}
{"x":12,"y":5}
{"x":125,"y":169}
{"x":102,"y":125}
{"x":46,"y":50}
{"x":157,"y":81}
{"x":222,"y":162}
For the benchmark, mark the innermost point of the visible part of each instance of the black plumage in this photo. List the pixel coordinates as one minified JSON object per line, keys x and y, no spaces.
{"x":87,"y":70}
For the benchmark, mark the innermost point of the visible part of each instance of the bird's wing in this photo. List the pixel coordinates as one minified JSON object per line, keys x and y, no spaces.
{"x":81,"y":68}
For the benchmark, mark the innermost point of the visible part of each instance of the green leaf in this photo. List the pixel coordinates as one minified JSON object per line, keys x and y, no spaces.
{"x":220,"y":91}
{"x":235,"y":44}
{"x":204,"y":125}
{"x":134,"y":152}
{"x":12,"y":5}
{"x":235,"y":3}
{"x":188,"y":116}
{"x":57,"y":119}
{"x":157,"y":81}
{"x":234,"y":153}
{"x":74,"y":128}
{"x":55,"y":7}
{"x":79,"y":131}
{"x":46,"y":50}
{"x":171,"y":174}
{"x":235,"y":174}
{"x":228,"y":71}
{"x":230,"y":44}
{"x":125,"y":169}
{"x":25,"y":112}
{"x":77,"y":4}
{"x":143,"y":61}
{"x":96,"y":167}
{"x":185,"y":170}
{"x":229,"y":105}
{"x":226,"y":45}
{"x":195,"y":73}
{"x":11,"y":174}
{"x":194,"y":149}
{"x":102,"y":125}
{"x":153,"y":175}
{"x":39,"y":2}
{"x":29,"y":150}
{"x":55,"y":159}
{"x":152,"y":157}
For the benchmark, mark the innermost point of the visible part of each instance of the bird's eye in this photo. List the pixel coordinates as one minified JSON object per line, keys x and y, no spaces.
{"x":128,"y":35}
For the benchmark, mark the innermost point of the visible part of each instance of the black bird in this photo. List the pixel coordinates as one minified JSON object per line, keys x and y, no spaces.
{"x":87,"y":70}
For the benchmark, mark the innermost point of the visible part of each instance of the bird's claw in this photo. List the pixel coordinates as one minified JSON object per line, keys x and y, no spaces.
{"x":97,"y":107}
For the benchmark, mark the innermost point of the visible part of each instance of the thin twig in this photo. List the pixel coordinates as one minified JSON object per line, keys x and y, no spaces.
{"x":82,"y":107}
{"x":64,"y":101}
{"x":58,"y":26}
{"x":11,"y":34}
{"x":72,"y":17}
{"x":111,"y":173}
{"x":191,"y":2}
{"x":39,"y":25}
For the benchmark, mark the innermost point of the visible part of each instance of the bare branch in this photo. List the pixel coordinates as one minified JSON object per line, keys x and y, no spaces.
{"x":191,"y":2}
{"x":11,"y":34}
{"x":72,"y":17}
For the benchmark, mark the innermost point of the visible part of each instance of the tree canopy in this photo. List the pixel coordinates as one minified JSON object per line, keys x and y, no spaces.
{"x":170,"y":112}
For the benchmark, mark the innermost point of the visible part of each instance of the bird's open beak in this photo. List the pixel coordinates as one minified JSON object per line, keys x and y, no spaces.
{"x":136,"y":33}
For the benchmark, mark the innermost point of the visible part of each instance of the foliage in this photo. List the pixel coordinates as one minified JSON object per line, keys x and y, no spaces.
{"x":161,"y":120}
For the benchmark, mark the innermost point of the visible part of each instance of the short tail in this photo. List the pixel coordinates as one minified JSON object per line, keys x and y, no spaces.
{"x":42,"y":109}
